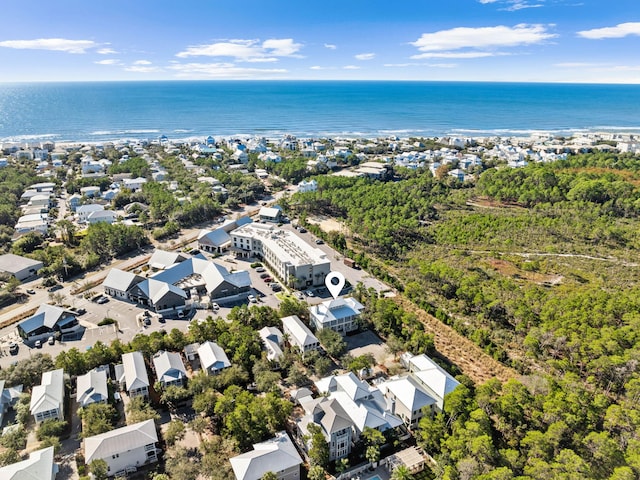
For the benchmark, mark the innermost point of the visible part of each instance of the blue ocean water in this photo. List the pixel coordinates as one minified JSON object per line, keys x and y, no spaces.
{"x":100,"y":111}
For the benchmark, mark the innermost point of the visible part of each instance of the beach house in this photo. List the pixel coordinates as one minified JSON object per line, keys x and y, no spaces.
{"x":92,"y":387}
{"x":299,"y":334}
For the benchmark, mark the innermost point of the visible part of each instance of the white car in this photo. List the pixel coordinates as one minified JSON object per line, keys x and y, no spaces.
{"x":215,"y":307}
{"x":310,"y":293}
{"x":252,"y":299}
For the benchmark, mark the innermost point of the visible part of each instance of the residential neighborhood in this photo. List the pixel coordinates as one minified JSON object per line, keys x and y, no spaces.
{"x":165,"y":309}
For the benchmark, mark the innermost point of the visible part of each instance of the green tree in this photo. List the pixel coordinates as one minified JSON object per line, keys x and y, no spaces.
{"x":138,"y":411}
{"x":372,"y":454}
{"x":175,"y":432}
{"x":8,"y":457}
{"x":401,"y":472}
{"x":319,"y":450}
{"x":316,"y":472}
{"x":269,"y":476}
{"x":51,"y":428}
{"x":97,"y":418}
{"x":332,"y":342}
{"x":99,"y":469}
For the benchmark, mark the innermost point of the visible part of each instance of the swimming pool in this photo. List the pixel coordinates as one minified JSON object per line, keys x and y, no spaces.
{"x":375,"y":477}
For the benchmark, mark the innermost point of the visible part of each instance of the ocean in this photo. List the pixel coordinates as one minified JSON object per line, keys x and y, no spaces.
{"x":105,"y":111}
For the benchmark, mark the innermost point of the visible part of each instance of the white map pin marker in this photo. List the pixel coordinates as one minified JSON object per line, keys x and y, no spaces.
{"x":334,"y":282}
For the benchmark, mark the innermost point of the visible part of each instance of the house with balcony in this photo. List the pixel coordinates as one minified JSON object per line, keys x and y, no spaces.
{"x":170,"y":369}
{"x":47,"y":399}
{"x":340,"y":315}
{"x":134,"y":375}
{"x":92,"y":387}
{"x":124,"y":449}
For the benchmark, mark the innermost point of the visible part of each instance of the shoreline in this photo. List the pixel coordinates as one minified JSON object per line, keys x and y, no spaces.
{"x":153,"y":135}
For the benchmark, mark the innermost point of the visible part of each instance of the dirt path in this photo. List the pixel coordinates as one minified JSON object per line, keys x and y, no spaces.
{"x":470,"y":358}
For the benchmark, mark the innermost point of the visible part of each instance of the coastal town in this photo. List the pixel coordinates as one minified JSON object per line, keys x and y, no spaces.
{"x":164,"y":300}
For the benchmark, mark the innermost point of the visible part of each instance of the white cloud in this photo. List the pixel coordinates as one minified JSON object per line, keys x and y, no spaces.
{"x":330,"y":46}
{"x":619,"y":31}
{"x":432,"y":65}
{"x":246,"y":50}
{"x":55,"y":44}
{"x":142,"y":62}
{"x":482,"y":37}
{"x":351,"y":67}
{"x":108,"y":61}
{"x":577,"y":65}
{"x":514,"y":5}
{"x":365,"y":56}
{"x":142,"y":69}
{"x":106,"y":51}
{"x":458,"y":55}
{"x":318,"y":67}
{"x":222,"y":70}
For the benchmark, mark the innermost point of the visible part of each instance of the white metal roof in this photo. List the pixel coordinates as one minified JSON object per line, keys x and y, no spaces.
{"x":120,"y":440}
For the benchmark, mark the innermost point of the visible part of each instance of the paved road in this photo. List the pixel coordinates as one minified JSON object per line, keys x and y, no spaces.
{"x":125,"y":313}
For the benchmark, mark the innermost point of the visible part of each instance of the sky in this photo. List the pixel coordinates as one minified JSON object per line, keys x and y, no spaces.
{"x":583,"y":41}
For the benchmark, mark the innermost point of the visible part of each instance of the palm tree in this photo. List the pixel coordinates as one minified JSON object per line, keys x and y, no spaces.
{"x":401,"y":472}
{"x":372,"y":454}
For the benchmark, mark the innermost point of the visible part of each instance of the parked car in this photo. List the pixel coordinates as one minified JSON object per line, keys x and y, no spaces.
{"x":319,"y":241}
{"x":268,"y":279}
{"x":54,"y":288}
{"x":302,"y":230}
{"x":181,"y":314}
{"x":38,"y":344}
{"x":51,"y":340}
{"x":13,"y":348}
{"x":31,"y":291}
{"x":261,"y":269}
{"x":215,"y":307}
{"x":102,"y":300}
{"x":264,"y":275}
{"x":161,"y":318}
{"x":252,"y":299}
{"x":275,"y":286}
{"x":310,"y":293}
{"x":299,"y":295}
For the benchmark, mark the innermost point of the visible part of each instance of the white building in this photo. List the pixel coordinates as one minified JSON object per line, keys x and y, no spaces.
{"x":213,"y":359}
{"x":39,"y":466}
{"x":20,"y":267}
{"x":407,"y":399}
{"x":310,"y":186}
{"x":430,"y":376}
{"x":83,"y":211}
{"x":340,"y":315}
{"x":272,"y":341}
{"x":299,"y":335}
{"x":47,"y":399}
{"x":169,"y":369}
{"x":293,"y":260}
{"x":125,"y":449}
{"x":277,"y":455}
{"x":92,"y":387}
{"x":136,"y":378}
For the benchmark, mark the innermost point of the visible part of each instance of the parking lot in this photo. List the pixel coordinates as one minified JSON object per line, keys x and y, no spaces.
{"x":124,"y":313}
